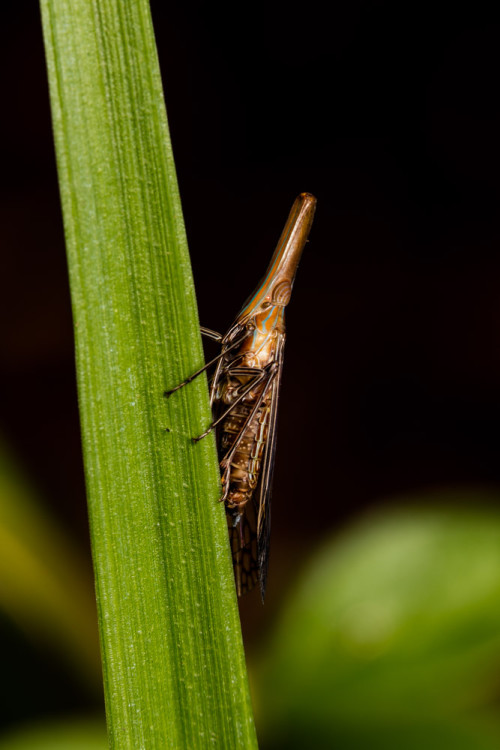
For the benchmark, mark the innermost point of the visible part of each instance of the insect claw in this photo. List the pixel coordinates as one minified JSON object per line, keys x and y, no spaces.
{"x":203,"y":434}
{"x":225,"y":486}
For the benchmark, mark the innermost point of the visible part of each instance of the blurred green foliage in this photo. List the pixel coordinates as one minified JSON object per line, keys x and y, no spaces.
{"x":48,"y":622}
{"x":64,"y":735}
{"x":46,"y":584}
{"x":392,"y":637}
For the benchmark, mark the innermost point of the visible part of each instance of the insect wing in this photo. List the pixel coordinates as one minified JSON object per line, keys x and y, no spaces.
{"x":244,"y":547}
{"x":262,"y":499}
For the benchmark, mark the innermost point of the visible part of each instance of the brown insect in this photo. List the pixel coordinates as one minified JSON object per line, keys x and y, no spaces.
{"x":244,"y":396}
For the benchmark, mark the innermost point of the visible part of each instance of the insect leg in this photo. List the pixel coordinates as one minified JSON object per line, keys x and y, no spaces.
{"x":260,"y":375}
{"x":205,"y":367}
{"x":216,"y":377}
{"x":227,"y":458}
{"x":211,"y":334}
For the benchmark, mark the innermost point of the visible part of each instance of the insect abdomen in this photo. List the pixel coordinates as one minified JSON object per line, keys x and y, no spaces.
{"x":246,"y":462}
{"x":243,"y":477}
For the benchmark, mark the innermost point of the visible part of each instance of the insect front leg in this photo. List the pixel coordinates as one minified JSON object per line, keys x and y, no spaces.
{"x":217,"y":359}
{"x":214,"y":335}
{"x":259,"y":376}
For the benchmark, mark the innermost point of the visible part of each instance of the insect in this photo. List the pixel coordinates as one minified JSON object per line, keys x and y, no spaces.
{"x":244,"y":397}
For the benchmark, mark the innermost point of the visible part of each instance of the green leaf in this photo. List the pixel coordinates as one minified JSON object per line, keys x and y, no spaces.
{"x":392,"y":638}
{"x":174,"y":669}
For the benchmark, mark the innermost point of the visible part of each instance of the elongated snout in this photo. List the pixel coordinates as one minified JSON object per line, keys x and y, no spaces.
{"x":276,"y":287}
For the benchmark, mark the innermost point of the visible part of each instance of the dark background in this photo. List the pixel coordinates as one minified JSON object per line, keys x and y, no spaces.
{"x":389,"y":113}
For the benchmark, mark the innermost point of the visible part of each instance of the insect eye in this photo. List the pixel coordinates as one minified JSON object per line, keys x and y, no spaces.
{"x":282,"y":292}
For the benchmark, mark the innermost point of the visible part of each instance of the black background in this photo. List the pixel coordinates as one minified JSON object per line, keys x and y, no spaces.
{"x":389,"y":113}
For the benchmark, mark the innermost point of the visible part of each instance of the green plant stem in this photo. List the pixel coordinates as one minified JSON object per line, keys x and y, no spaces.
{"x":173,"y":661}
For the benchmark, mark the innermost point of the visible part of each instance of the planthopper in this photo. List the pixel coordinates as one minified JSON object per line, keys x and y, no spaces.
{"x":244,"y":396}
